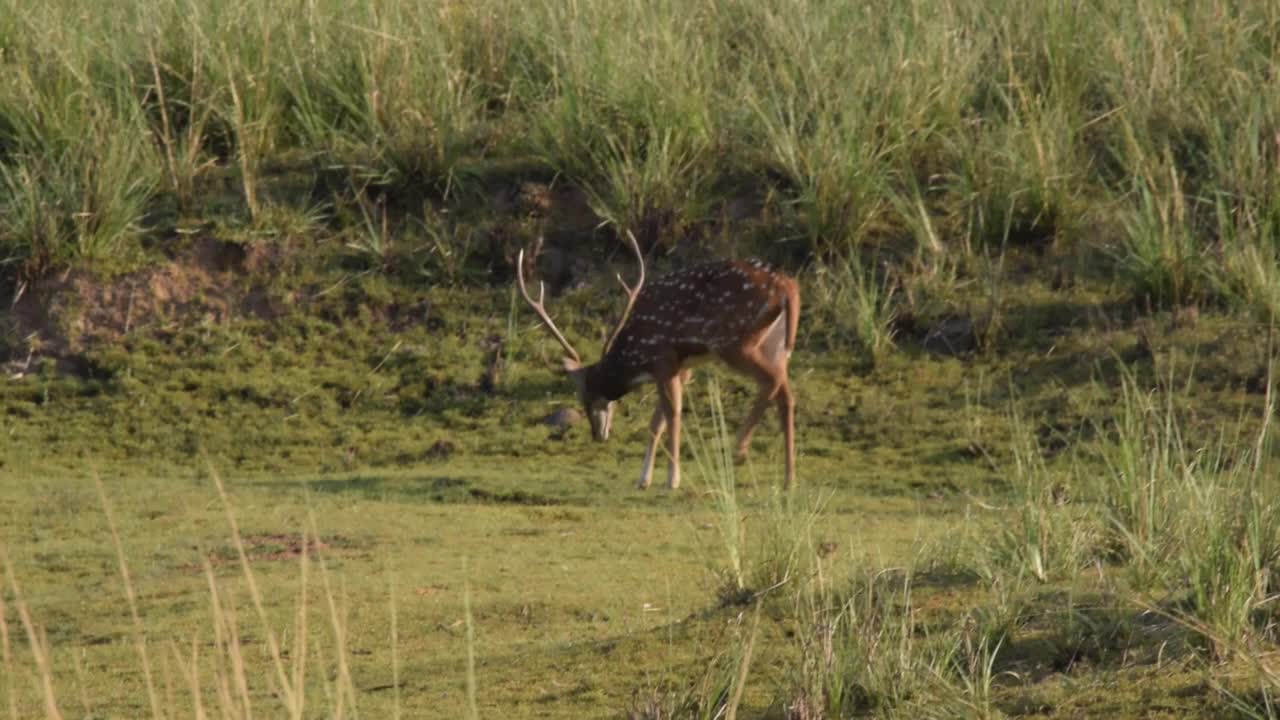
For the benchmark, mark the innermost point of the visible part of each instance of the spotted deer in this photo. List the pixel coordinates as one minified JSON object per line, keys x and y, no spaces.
{"x":738,"y":311}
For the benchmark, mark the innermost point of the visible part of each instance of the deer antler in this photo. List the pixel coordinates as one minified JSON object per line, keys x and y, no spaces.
{"x":632,"y":293}
{"x":539,"y":308}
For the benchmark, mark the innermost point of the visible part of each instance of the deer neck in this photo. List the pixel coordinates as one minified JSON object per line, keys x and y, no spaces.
{"x":611,"y":378}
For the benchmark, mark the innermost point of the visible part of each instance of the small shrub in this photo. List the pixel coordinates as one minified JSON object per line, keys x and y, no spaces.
{"x":859,"y":305}
{"x":1161,"y":256}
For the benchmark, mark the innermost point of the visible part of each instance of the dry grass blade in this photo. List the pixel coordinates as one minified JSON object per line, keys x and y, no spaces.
{"x":39,"y":647}
{"x":6,"y":656}
{"x":246,"y":147}
{"x":81,"y":685}
{"x":473,"y":712}
{"x":300,"y":627}
{"x":744,"y":667}
{"x":395,"y":641}
{"x":233,"y":703}
{"x":291,"y":702}
{"x":345,"y":688}
{"x":139,"y":634}
{"x":191,"y":675}
{"x":166,"y":128}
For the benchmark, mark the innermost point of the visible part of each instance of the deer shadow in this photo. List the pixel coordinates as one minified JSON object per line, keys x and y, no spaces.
{"x":434,"y":487}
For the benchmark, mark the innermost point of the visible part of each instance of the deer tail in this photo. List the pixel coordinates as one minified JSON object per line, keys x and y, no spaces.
{"x":793,"y":313}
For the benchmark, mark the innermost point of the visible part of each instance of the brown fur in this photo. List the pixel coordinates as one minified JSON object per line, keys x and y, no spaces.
{"x":728,"y":310}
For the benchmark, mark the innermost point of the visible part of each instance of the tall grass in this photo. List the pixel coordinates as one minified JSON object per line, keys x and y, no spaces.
{"x":977,"y":122}
{"x":768,"y":544}
{"x":860,"y":305}
{"x":1189,"y":518}
{"x":1046,"y":535}
{"x":1197,"y":520}
{"x":715,"y":472}
{"x":629,"y":117}
{"x":867,"y":650}
{"x":717,"y":693}
{"x":78,"y":175}
{"x":1161,"y":257}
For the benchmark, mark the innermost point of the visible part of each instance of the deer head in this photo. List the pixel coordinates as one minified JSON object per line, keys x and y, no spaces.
{"x":595,"y":403}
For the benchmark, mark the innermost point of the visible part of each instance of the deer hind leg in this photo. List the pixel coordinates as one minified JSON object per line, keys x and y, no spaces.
{"x":777,"y":390}
{"x":767,"y":363}
{"x":743,"y":443}
{"x":787,"y":415}
{"x":776,"y":350}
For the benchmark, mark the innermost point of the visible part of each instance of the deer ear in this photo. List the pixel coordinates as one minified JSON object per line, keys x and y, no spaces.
{"x":577,"y":374}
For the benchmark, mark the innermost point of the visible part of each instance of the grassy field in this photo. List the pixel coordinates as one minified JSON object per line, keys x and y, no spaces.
{"x":1047,"y":533}
{"x":278,"y":439}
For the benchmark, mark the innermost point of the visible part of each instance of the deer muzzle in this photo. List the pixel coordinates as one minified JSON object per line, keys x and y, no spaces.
{"x":601,"y":419}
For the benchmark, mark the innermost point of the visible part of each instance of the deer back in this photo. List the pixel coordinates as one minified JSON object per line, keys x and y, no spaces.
{"x":698,"y":311}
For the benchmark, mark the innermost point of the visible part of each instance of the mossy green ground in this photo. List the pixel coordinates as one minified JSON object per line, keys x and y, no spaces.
{"x":584,"y":591}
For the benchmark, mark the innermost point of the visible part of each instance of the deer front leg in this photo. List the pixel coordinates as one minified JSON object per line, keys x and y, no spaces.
{"x":671,"y":388}
{"x":656,"y":426}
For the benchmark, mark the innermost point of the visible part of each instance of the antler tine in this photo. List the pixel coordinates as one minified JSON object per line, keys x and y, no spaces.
{"x":635,"y":248}
{"x":540,"y":309}
{"x":632,"y":293}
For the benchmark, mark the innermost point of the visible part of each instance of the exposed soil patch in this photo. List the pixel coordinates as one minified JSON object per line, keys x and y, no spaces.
{"x":64,"y":315}
{"x":441,"y":450}
{"x":268,"y":547}
{"x":517,"y":497}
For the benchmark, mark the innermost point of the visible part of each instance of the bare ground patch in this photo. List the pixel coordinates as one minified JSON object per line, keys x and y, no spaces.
{"x":63,"y":315}
{"x":274,"y":547}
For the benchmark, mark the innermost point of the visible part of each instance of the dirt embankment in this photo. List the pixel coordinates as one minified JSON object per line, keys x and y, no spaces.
{"x":61,"y":316}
